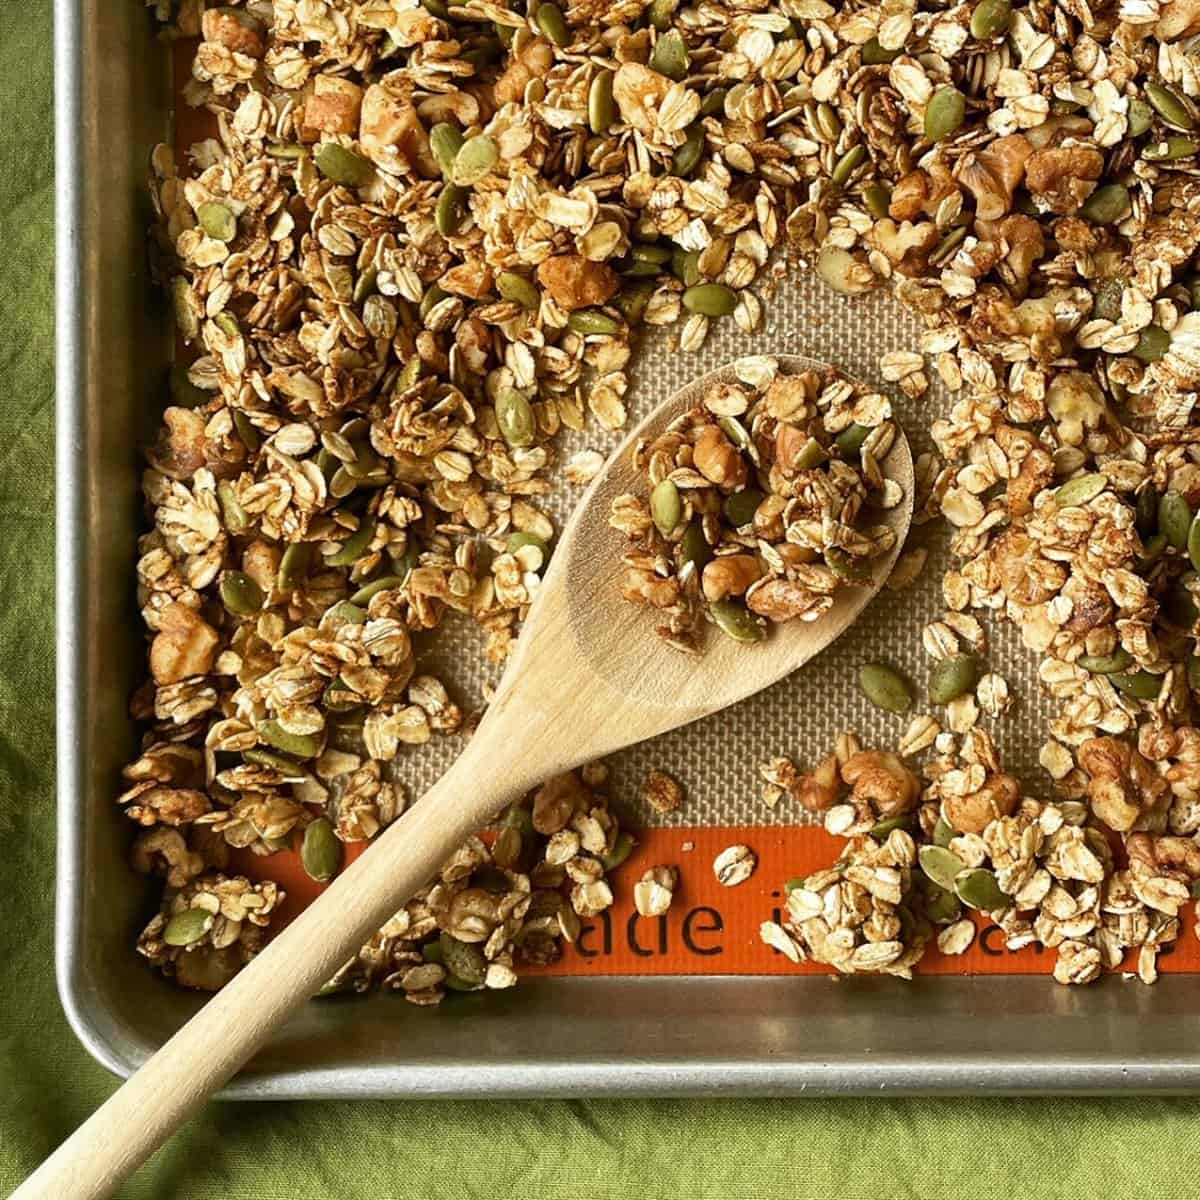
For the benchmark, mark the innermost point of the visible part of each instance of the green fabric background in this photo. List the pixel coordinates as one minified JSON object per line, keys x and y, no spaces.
{"x":852,"y":1149}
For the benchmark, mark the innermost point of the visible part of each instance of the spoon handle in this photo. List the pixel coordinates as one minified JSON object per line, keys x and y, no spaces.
{"x":199,"y":1059}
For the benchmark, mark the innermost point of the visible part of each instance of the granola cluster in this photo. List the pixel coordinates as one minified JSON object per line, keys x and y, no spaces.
{"x":754,"y":501}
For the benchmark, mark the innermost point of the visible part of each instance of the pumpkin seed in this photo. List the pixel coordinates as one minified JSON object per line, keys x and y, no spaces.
{"x":694,"y":547}
{"x":1170,"y":105}
{"x":953,"y":677}
{"x":848,"y":164}
{"x":463,"y":959}
{"x":343,"y":166}
{"x":670,"y":56}
{"x":287,"y":151}
{"x":650,"y":252}
{"x":1141,"y":685}
{"x":685,"y":266}
{"x":1193,"y":672}
{"x":298,"y":745}
{"x":687,"y":156}
{"x":185,"y":314}
{"x":434,"y":295}
{"x":236,"y":519}
{"x":734,"y":621}
{"x":1081,"y":489}
{"x":384,"y":583}
{"x":505,"y":34}
{"x":518,"y":290}
{"x":711,"y":299}
{"x":1146,"y":512}
{"x":184,"y":393}
{"x":876,"y":200}
{"x":344,"y":611}
{"x":735,"y":431}
{"x":432,"y":952}
{"x":451,"y":211}
{"x":474,"y":160}
{"x":666,"y":506}
{"x":991,"y":18}
{"x":881,"y":829}
{"x":1178,"y":606}
{"x":592,"y":321}
{"x":366,"y":285}
{"x":942,"y":906}
{"x":514,"y":415}
{"x":945,"y":113}
{"x":1106,"y":205}
{"x":354,"y":547}
{"x":621,"y":849}
{"x":1140,"y":117}
{"x":943,"y":832}
{"x":602,"y":110}
{"x":285,"y":765}
{"x":812,"y":454}
{"x":660,"y":14}
{"x":1153,"y":342}
{"x":1106,"y":664}
{"x":437,"y":9}
{"x":1152,"y":551}
{"x":632,"y":300}
{"x":520,"y":539}
{"x":187,"y":927}
{"x":320,"y":852}
{"x":1175,"y":519}
{"x":944,"y":250}
{"x":240,"y":594}
{"x":740,"y":507}
{"x":846,"y":567}
{"x":977,"y":888}
{"x":1193,"y":543}
{"x":874,"y":55}
{"x":550,"y":20}
{"x":885,"y":687}
{"x":1170,"y":149}
{"x":850,"y":441}
{"x":1107,"y":302}
{"x":217,"y":221}
{"x":941,"y":865}
{"x":246,"y":431}
{"x":445,"y":141}
{"x":293,"y":566}
{"x":713,"y":104}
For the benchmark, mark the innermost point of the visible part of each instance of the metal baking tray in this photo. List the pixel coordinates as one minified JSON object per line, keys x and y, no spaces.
{"x":550,"y":1037}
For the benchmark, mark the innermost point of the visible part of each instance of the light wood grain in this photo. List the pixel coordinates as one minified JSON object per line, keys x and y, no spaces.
{"x":588,"y":676}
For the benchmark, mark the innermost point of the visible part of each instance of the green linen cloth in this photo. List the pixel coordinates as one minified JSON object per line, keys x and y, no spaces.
{"x":850,"y":1149}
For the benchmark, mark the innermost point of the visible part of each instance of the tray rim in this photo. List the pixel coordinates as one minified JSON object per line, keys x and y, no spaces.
{"x":987,"y":1065}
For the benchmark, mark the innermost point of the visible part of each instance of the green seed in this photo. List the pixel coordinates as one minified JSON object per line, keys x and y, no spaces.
{"x":685,"y":266}
{"x":185,"y":314}
{"x":1140,"y":117}
{"x":521,"y":539}
{"x":885,"y":688}
{"x":1141,"y":686}
{"x":1193,"y":543}
{"x":991,"y":18}
{"x":347,"y":613}
{"x":942,"y":906}
{"x":735,"y":431}
{"x":1178,"y":606}
{"x":434,"y":295}
{"x":1106,"y":664}
{"x":941,"y":865}
{"x":876,"y":200}
{"x":1170,"y":105}
{"x":1153,"y":342}
{"x":620,"y":851}
{"x":1106,"y":205}
{"x":812,"y":455}
{"x":666,"y":506}
{"x":474,"y":161}
{"x":1175,"y":519}
{"x":354,"y":547}
{"x":445,"y":141}
{"x":246,"y":431}
{"x":432,"y":952}
{"x":650,"y":252}
{"x":1080,"y":490}
{"x":943,"y":251}
{"x":1193,"y":672}
{"x":184,"y":393}
{"x":631,"y":301}
{"x":1107,"y":303}
{"x":602,"y":111}
{"x":1146,"y":512}
{"x":1153,"y":549}
{"x":874,"y":55}
{"x":713,"y":104}
{"x":943,"y":832}
{"x":736,"y":622}
{"x":850,"y":441}
{"x":978,"y":889}
{"x":287,"y":151}
{"x":740,"y":507}
{"x":550,"y":20}
{"x":848,"y":164}
{"x":366,"y":284}
{"x":293,"y":566}
{"x":953,"y":677}
{"x":514,"y":416}
{"x":686,"y":157}
{"x":298,"y":745}
{"x":661,"y":13}
{"x":670,"y":55}
{"x":320,"y":852}
{"x":795,"y":883}
{"x":463,"y":959}
{"x":217,"y":221}
{"x":187,"y":927}
{"x":437,"y":9}
{"x":694,"y":547}
{"x":1170,"y":149}
{"x":451,"y":211}
{"x":845,"y":567}
{"x":881,"y":829}
{"x":344,"y":166}
{"x":240,"y":594}
{"x":236,"y":519}
{"x":828,"y":123}
{"x":226,"y":322}
{"x":945,"y":113}
{"x":711,"y":299}
{"x":384,"y":583}
{"x":288,"y":767}
{"x":517,"y":289}
{"x":592,"y":321}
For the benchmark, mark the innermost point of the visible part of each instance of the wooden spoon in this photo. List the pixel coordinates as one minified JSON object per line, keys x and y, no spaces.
{"x":588,"y":676}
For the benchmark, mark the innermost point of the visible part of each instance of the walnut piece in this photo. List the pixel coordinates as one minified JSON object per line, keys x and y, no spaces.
{"x":1123,"y":787}
{"x":392,"y":135}
{"x":185,"y":645}
{"x":1063,"y":177}
{"x":882,"y":780}
{"x":576,"y":282}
